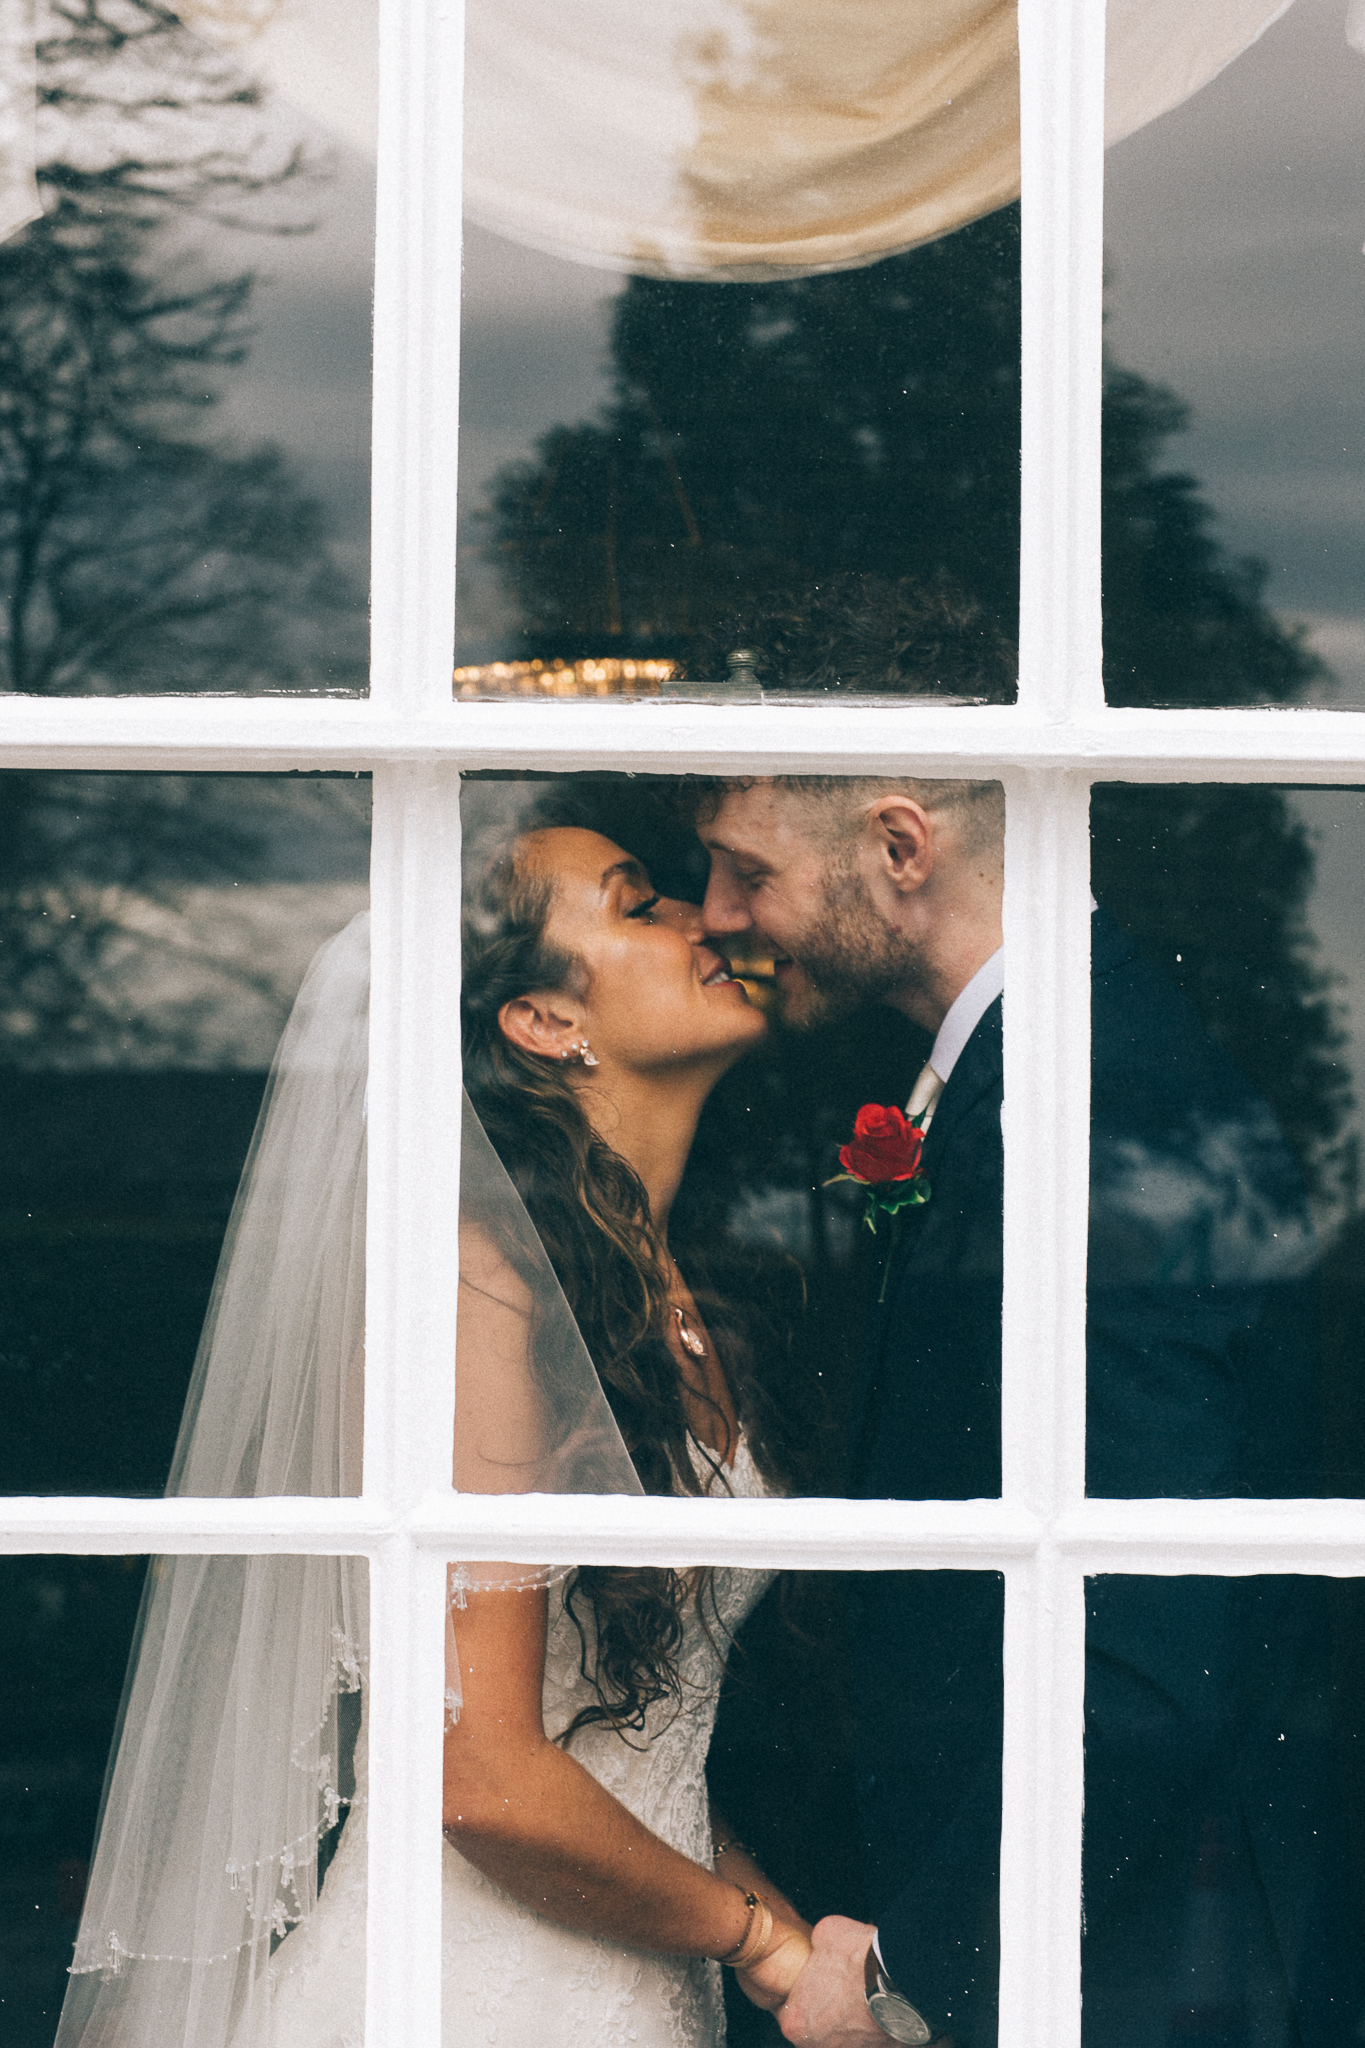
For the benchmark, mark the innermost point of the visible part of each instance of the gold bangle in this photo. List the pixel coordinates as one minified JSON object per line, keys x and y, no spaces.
{"x":722,"y":1848}
{"x":763,"y":1935}
{"x":751,"y":1900}
{"x":757,"y":1936}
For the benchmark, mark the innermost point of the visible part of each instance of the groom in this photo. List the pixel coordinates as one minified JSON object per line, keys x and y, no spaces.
{"x":1217,"y":1887}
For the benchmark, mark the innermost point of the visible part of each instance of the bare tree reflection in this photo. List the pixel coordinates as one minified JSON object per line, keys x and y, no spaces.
{"x":138,"y":551}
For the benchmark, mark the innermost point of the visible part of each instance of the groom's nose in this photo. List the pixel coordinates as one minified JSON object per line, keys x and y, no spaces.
{"x":725,"y":907}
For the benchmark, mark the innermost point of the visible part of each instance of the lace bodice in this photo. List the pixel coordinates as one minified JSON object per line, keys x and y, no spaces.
{"x":660,"y":1775}
{"x":513,"y":1979}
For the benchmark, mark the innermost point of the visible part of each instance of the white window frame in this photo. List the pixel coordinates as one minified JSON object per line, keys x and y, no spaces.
{"x":1048,"y":747}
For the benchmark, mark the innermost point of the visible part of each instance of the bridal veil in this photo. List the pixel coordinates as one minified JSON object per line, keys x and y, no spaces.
{"x":225,"y":1776}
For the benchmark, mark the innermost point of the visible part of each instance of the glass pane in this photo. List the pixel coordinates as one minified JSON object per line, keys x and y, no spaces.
{"x":1233,"y":507}
{"x":184,"y":461}
{"x":155,"y":932}
{"x":725,"y":1116}
{"x":1228,"y":1060}
{"x":170,"y":1894}
{"x":805,"y":1691}
{"x":854,"y":1769}
{"x":1223,"y":1818}
{"x":68,"y":1622}
{"x":781,"y":453}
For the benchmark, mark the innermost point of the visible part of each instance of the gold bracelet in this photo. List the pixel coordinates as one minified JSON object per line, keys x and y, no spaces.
{"x":758,"y":1933}
{"x":752,"y":1902}
{"x":722,"y":1848}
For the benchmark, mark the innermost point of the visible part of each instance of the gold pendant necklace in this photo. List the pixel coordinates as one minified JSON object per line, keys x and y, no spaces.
{"x":690,"y":1339}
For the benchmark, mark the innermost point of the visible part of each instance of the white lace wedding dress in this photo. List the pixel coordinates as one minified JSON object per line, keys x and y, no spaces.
{"x":513,"y":1979}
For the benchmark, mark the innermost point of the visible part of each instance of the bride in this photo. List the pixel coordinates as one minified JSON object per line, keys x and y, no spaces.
{"x":590,"y":1893}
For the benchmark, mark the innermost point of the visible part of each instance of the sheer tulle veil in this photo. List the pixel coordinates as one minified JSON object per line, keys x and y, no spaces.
{"x":224,"y":1775}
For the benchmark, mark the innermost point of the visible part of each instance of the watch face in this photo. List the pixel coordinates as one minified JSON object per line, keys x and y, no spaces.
{"x":897,"y":2017}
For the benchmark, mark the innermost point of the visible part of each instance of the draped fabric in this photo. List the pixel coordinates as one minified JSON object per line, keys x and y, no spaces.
{"x":19,"y":202}
{"x":712,"y":139}
{"x":731,"y":139}
{"x":1157,"y":54}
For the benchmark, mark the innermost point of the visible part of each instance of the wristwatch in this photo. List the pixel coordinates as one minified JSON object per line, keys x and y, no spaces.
{"x":891,"y":2010}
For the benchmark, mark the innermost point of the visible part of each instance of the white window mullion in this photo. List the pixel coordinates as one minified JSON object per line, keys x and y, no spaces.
{"x":261,"y":735}
{"x":1047,"y":1139}
{"x":414,"y":1132}
{"x":416,"y":353}
{"x":1061,"y":83}
{"x":1046,"y":1129}
{"x":404,"y":1705}
{"x":1047,"y":1013}
{"x":412,"y":1209}
{"x":1043,"y":1788}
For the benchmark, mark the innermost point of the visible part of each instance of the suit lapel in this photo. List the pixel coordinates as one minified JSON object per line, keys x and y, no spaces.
{"x":979,"y":1068}
{"x":978,"y":1071}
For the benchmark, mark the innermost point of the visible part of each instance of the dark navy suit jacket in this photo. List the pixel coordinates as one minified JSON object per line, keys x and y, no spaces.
{"x":1209,"y":1740}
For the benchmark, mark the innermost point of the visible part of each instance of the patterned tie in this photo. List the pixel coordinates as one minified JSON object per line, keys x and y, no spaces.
{"x":924,"y":1097}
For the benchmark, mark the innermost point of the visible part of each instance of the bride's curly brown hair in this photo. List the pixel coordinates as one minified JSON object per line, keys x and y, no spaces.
{"x":591,"y":1211}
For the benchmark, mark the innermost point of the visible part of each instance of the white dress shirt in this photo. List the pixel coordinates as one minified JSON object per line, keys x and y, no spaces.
{"x":968,"y":1009}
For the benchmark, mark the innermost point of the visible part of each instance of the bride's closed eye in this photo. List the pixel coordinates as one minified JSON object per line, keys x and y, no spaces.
{"x":643,"y":909}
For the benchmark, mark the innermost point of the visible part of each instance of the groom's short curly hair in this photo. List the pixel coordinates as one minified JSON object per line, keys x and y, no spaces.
{"x":865,"y":634}
{"x":837,"y":803}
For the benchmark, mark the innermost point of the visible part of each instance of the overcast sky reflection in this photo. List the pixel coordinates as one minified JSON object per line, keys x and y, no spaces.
{"x":1233,"y":228}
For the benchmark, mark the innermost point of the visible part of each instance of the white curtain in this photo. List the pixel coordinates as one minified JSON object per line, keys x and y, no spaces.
{"x":18,"y":188}
{"x":722,"y":138}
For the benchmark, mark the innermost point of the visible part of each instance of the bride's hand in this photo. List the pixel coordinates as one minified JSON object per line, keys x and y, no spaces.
{"x":773,"y":1975}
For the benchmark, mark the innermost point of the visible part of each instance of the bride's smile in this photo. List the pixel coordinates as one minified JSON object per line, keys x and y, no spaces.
{"x":644,"y":989}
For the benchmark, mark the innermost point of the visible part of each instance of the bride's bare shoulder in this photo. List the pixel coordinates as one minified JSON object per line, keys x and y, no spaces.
{"x":487,"y":1270}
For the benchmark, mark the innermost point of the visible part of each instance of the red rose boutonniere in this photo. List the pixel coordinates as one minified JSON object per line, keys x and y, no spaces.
{"x":883,"y":1156}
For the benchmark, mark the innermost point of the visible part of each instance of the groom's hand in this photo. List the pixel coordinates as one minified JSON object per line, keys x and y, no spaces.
{"x":827,"y":2006}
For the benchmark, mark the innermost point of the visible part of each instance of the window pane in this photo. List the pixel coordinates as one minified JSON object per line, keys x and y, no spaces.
{"x":780,"y":454}
{"x":68,"y":1622}
{"x":855,"y":1760}
{"x":860,"y":1360}
{"x":1224,"y":1299}
{"x":1222,"y":1831}
{"x":809,"y":1697}
{"x":155,"y":932}
{"x":184,"y":461}
{"x":236,"y":1785}
{"x":1233,"y":455}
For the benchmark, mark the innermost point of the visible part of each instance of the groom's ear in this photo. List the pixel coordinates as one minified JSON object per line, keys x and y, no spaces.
{"x":903,"y":841}
{"x":538,"y":1023}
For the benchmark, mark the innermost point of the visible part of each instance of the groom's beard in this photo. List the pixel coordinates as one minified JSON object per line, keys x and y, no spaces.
{"x":848,"y":957}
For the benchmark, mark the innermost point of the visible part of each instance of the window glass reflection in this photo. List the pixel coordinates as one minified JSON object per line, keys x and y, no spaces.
{"x":852,"y":1690}
{"x":68,"y":1622}
{"x":831,"y":1197}
{"x":1222,"y":1835}
{"x":1233,"y":242}
{"x":1225,"y":1138}
{"x":896,"y":1825}
{"x":184,"y":456}
{"x":156,"y":930}
{"x":233,"y":1800}
{"x":783,"y":455}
